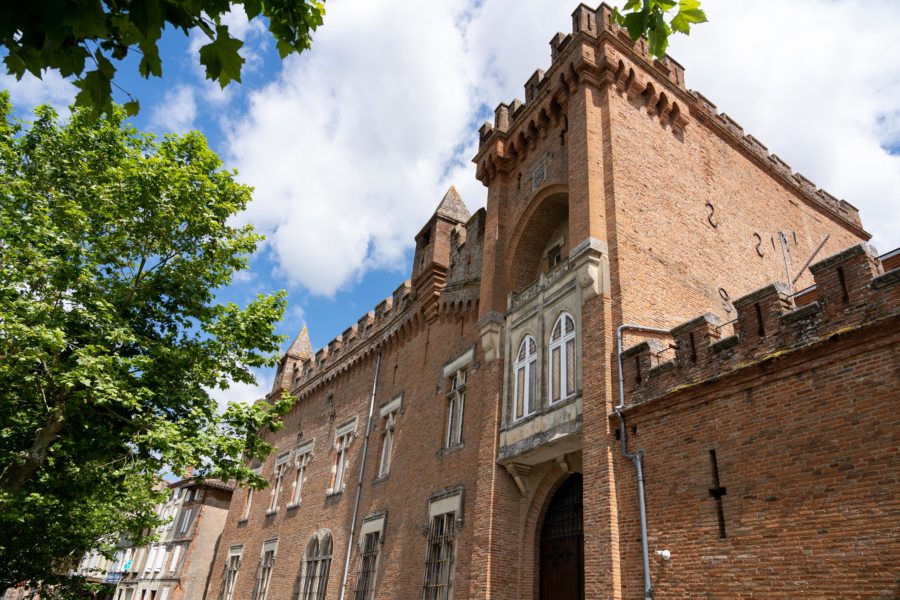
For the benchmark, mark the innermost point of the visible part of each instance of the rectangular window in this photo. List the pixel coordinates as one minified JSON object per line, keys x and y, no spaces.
{"x":456,"y":402}
{"x":248,"y":499}
{"x":389,"y":414}
{"x":232,"y":565}
{"x":160,"y":559}
{"x":371,"y":539}
{"x":176,"y":554}
{"x":165,"y":594}
{"x":342,"y":440}
{"x":186,"y":520}
{"x":151,"y":558}
{"x":264,"y":576}
{"x":281,"y":465}
{"x":301,"y":461}
{"x":441,"y":551}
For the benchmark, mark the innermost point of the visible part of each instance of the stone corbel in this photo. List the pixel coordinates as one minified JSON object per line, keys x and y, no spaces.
{"x":489,"y":328}
{"x":519,"y":473}
{"x":592,"y":268}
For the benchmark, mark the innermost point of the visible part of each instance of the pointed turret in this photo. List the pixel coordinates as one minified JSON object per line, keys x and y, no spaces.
{"x":301,"y":347}
{"x":452,"y":207}
{"x":432,"y":259}
{"x":292,"y":361}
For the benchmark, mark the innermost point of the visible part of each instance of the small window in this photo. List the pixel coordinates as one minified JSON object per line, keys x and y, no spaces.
{"x":281,"y":465}
{"x":151,"y":558}
{"x":389,"y":421}
{"x":342,"y":440}
{"x":316,"y":566}
{"x":441,"y":551}
{"x":562,"y":358}
{"x":173,"y":563}
{"x":186,"y":517}
{"x":264,"y":573}
{"x":160,"y":559}
{"x":301,"y":461}
{"x":370,"y":542}
{"x":232,"y":566}
{"x":554,"y":256}
{"x":456,"y":402}
{"x":524,"y":388}
{"x":248,"y":499}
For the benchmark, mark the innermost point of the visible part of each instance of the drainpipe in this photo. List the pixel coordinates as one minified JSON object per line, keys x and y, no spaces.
{"x":359,"y":482}
{"x":637,"y":457}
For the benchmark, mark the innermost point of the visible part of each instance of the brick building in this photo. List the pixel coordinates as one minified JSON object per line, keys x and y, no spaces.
{"x":472,"y":437}
{"x":176,"y":566}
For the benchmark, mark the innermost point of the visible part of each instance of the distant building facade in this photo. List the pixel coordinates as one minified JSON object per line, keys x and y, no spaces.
{"x":176,"y":566}
{"x":541,"y":411}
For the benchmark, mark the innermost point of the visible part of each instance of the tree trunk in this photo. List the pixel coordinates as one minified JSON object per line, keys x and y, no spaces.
{"x":15,"y":476}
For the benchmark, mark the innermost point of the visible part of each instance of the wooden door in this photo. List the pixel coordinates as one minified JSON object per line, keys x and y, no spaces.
{"x":562,"y":544}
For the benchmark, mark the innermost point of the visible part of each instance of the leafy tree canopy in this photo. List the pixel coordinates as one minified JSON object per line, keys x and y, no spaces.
{"x":87,"y":38}
{"x":112,"y":247}
{"x":648,"y":18}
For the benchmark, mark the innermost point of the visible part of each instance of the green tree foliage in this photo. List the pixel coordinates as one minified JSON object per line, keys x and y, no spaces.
{"x":112,"y":247}
{"x":86,"y":38}
{"x":648,"y":18}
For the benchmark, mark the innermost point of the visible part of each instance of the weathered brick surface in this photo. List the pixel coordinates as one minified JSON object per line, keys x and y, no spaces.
{"x":612,"y":157}
{"x":804,"y":425}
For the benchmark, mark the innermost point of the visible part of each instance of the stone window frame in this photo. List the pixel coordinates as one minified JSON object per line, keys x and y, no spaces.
{"x":388,"y":413}
{"x":571,"y":387}
{"x":302,"y":457}
{"x":248,"y":499}
{"x":371,"y":538}
{"x":232,"y":568}
{"x":343,"y":439}
{"x":265,"y":569}
{"x":529,"y":364}
{"x":456,"y":397}
{"x":444,"y":523}
{"x":279,"y":469}
{"x":315,"y":567}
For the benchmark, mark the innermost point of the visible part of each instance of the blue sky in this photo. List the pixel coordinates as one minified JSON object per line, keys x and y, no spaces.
{"x":351,"y":146}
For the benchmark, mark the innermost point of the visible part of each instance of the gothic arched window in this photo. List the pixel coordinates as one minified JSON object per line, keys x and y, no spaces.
{"x":562,"y":358}
{"x":525,"y":369}
{"x":316,"y":565}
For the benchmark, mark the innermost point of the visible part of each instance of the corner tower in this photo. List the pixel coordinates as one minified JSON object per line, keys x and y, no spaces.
{"x":431,"y":262}
{"x":617,"y":195}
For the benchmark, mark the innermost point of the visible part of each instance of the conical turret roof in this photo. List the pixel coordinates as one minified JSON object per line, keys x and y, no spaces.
{"x":301,"y":347}
{"x":452,"y":207}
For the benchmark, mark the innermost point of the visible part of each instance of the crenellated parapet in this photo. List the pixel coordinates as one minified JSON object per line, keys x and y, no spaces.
{"x":852,"y":291}
{"x":444,"y":286}
{"x":599,"y":53}
{"x":356,"y":341}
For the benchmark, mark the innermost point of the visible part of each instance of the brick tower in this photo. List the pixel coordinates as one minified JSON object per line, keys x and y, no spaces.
{"x":473,"y":436}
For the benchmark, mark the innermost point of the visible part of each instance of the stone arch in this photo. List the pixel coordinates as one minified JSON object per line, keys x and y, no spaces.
{"x":546,"y":211}
{"x":531,"y":555}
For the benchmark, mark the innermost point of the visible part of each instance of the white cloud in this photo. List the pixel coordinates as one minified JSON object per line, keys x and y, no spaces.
{"x":30,"y":91}
{"x":243,"y":392}
{"x":353,"y":145}
{"x":176,"y":111}
{"x":818,"y":83}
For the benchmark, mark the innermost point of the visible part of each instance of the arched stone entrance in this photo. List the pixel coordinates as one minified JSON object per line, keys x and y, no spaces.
{"x":562,"y":544}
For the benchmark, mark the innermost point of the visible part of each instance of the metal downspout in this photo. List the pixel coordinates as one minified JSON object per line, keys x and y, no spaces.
{"x":359,"y":483}
{"x":637,"y":457}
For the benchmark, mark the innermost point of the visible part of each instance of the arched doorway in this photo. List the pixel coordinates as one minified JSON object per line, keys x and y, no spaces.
{"x":562,"y":544}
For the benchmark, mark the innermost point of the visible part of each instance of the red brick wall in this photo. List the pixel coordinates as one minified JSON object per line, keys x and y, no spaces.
{"x":804,"y":424}
{"x":667,"y":260}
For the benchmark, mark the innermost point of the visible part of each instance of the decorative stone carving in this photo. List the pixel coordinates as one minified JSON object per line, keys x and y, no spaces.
{"x":489,"y":328}
{"x":592,"y":270}
{"x":519,"y":473}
